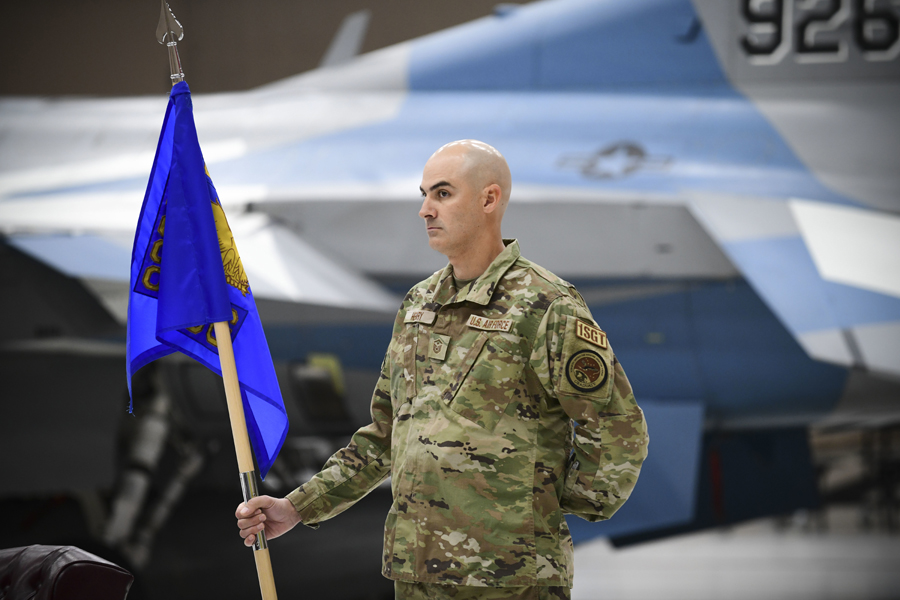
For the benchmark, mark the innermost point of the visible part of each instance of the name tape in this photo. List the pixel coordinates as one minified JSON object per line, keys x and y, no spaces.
{"x":590,"y":334}
{"x":476,"y":322}
{"x":417,"y":315}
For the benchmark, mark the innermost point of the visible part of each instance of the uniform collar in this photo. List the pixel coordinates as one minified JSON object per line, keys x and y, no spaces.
{"x":482,"y":289}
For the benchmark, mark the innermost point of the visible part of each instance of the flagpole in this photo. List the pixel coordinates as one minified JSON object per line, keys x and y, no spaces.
{"x":169,"y":32}
{"x":244,"y":454}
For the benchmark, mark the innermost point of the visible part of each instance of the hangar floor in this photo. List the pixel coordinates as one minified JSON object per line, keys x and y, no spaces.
{"x":827,"y":556}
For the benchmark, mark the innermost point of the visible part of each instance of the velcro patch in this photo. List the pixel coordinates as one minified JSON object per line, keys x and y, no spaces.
{"x":476,"y":322}
{"x":418,"y":315}
{"x":437,"y":349}
{"x":586,"y":371}
{"x":590,"y":334}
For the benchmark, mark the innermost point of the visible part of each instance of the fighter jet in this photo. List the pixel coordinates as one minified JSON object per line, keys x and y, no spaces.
{"x":718,"y":179}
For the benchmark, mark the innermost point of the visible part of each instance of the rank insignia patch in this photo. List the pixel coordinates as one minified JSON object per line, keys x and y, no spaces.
{"x":586,"y":371}
{"x":590,"y":334}
{"x":437,"y":349}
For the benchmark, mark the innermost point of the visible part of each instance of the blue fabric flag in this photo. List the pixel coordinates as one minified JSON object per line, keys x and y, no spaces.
{"x":178,"y":289}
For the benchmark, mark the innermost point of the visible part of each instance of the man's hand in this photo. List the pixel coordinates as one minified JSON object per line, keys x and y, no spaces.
{"x":276,"y":515}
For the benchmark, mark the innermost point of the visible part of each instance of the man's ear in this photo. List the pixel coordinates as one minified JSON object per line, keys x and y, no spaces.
{"x":491,"y":198}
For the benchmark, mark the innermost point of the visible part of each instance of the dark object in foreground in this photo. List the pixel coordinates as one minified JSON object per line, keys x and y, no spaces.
{"x":60,"y":573}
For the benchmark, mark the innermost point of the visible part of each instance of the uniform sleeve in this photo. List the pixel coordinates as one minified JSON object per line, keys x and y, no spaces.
{"x":354,"y":471}
{"x":576,"y":366}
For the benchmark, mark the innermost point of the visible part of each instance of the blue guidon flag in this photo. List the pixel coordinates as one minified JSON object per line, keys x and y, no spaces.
{"x":186,"y":274}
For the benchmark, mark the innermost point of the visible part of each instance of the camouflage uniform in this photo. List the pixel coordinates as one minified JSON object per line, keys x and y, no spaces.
{"x":472,"y":417}
{"x":411,"y":590}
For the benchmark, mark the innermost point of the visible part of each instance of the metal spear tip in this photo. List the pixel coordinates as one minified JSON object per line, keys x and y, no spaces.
{"x":168,"y":25}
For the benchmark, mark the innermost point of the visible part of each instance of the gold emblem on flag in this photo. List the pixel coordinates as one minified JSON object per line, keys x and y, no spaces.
{"x":231,"y":259}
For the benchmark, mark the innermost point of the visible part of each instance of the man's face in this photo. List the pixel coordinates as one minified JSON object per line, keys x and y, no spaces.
{"x":450,"y":205}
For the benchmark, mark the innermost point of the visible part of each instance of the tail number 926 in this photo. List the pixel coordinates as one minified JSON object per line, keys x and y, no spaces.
{"x":820,"y":30}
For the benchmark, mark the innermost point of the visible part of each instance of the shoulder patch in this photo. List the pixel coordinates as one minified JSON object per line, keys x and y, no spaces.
{"x":586,"y":371}
{"x":591,"y":334}
{"x":583,"y":367}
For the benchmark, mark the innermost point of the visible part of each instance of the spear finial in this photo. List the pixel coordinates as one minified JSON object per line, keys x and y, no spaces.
{"x":170,"y":32}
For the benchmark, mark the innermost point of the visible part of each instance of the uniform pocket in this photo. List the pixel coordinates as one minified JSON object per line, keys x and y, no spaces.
{"x":403,"y":366}
{"x":571,"y":476}
{"x":390,"y":533}
{"x":490,"y":376}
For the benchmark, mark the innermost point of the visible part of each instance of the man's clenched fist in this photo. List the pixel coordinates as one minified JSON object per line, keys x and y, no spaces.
{"x":275,"y":515}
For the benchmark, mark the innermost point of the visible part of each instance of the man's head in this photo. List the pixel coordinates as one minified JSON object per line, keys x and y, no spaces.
{"x":465,"y":189}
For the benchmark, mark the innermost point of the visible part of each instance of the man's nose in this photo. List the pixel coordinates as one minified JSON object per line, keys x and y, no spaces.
{"x":427,"y":210}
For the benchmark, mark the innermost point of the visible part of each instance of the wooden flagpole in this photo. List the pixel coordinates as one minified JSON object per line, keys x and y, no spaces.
{"x":244,"y":453}
{"x":169,"y":32}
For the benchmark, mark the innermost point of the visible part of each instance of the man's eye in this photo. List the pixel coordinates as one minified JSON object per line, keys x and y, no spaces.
{"x":443,"y":193}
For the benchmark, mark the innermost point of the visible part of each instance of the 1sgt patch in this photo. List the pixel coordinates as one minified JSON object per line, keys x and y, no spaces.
{"x":586,"y":371}
{"x":591,"y":334}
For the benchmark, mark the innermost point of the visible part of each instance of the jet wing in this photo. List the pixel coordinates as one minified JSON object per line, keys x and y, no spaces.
{"x":74,"y":172}
{"x":831,"y":273}
{"x":284,"y":270}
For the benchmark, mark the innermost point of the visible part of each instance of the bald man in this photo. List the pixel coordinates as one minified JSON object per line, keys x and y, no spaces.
{"x":500,"y":407}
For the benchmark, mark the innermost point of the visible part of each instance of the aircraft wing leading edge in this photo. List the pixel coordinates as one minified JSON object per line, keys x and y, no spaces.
{"x":829,"y":272}
{"x":280,"y":265}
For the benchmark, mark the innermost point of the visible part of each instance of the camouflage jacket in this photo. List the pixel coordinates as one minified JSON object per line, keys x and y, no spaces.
{"x":498,"y":409}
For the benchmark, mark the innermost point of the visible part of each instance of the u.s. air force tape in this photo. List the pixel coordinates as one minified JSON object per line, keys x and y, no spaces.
{"x":586,"y":371}
{"x":476,"y":322}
